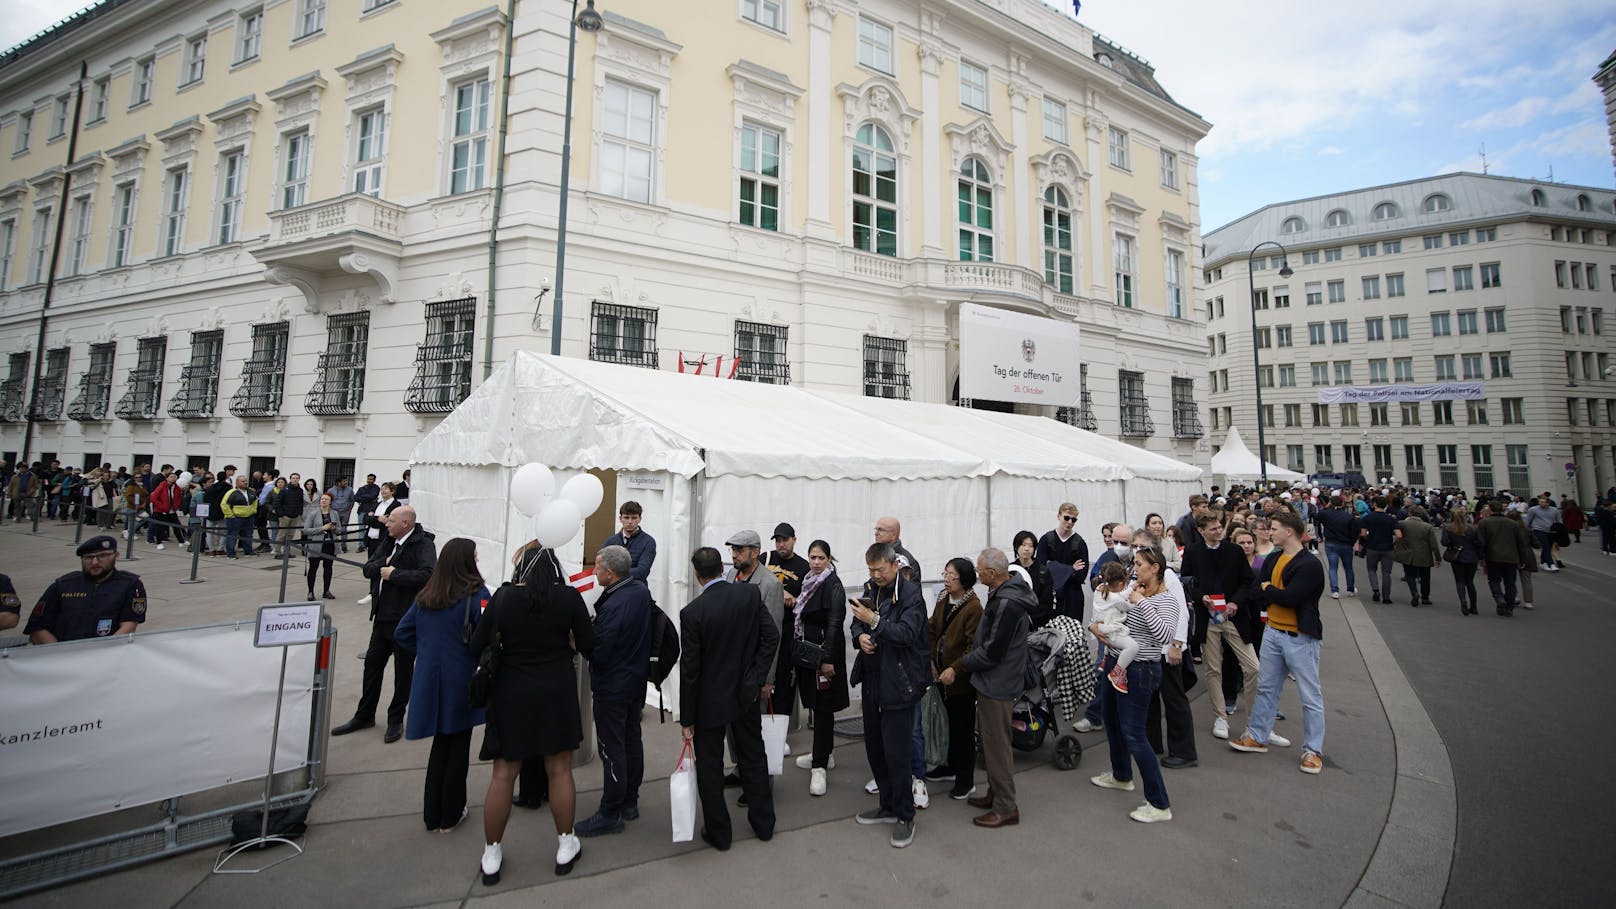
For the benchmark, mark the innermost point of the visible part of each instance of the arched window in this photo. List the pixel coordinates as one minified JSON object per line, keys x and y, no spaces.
{"x":1539,"y":200}
{"x":1104,"y":60}
{"x":1386,"y":211}
{"x":1437,"y":202}
{"x":1584,"y":203}
{"x":1337,"y":218}
{"x":875,"y":191}
{"x":1057,"y":240}
{"x":975,"y":212}
{"x":1292,"y":225}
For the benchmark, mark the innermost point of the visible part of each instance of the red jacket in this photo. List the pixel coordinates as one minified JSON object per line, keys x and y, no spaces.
{"x":163,"y":498}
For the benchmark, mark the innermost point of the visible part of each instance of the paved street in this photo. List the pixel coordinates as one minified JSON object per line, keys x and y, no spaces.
{"x":1523,"y":706}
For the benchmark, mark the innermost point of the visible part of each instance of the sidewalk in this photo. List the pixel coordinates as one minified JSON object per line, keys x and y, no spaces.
{"x":1247,"y":829}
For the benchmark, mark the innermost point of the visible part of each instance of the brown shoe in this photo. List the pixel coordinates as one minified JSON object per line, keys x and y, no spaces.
{"x":980,"y":801}
{"x":995,"y":820}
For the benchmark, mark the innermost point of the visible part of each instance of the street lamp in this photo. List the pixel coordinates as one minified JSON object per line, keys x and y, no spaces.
{"x":589,"y":21}
{"x":1256,"y":360}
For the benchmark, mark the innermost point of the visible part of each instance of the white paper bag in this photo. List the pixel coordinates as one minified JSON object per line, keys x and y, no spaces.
{"x":682,"y":797}
{"x":774,"y":741}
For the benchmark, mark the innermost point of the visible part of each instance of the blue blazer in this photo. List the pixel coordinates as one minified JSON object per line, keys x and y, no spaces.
{"x":443,"y":667}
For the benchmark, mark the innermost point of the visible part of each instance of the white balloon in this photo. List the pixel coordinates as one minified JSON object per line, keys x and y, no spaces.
{"x":531,"y":488}
{"x":184,"y":479}
{"x":182,"y":483}
{"x":557,"y":524}
{"x":584,"y":491}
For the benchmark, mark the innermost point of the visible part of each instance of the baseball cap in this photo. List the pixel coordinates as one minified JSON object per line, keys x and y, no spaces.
{"x":784,"y":531}
{"x":745,"y":538}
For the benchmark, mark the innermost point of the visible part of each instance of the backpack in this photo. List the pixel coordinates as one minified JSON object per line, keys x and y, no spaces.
{"x":664,"y":653}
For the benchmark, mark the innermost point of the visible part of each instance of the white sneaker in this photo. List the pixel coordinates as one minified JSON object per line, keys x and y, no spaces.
{"x":364,"y":600}
{"x":162,"y":546}
{"x":872,"y":788}
{"x":1107,"y":781}
{"x":493,"y":857}
{"x":1335,"y":595}
{"x":567,"y":849}
{"x":806,"y":762}
{"x":816,"y":781}
{"x":1527,"y":605}
{"x":1275,"y":738}
{"x":1084,"y":725}
{"x":1150,"y":814}
{"x":922,"y":797}
{"x":1220,"y":728}
{"x":787,"y":752}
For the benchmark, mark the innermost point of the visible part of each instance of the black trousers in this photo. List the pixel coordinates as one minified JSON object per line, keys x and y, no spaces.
{"x":1172,"y":700}
{"x":445,"y":795}
{"x":1419,"y":575}
{"x":315,"y":565}
{"x":962,"y":739}
{"x":1234,"y":678}
{"x":793,"y":686}
{"x":383,"y":646}
{"x":889,"y":743}
{"x":622,"y":755}
{"x":746,"y":741}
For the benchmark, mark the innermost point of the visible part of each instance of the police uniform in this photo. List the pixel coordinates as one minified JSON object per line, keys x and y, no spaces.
{"x":74,"y":606}
{"x":8,"y":597}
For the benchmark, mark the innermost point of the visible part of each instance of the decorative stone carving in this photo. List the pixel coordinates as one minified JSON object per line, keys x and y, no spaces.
{"x":821,"y":13}
{"x":1061,"y":168}
{"x":878,"y":99}
{"x":982,"y":139}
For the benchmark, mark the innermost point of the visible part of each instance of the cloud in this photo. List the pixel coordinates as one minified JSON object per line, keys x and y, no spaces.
{"x":1514,"y":116}
{"x":1331,"y":150}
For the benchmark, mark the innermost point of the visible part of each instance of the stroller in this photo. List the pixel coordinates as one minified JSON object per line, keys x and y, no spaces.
{"x":1060,"y":680}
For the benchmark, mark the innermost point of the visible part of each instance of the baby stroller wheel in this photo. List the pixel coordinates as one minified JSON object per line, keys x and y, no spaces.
{"x":1068,"y":752}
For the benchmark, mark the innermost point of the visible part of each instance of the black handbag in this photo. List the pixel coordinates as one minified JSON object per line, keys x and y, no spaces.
{"x":807,"y":654}
{"x":481,"y":689}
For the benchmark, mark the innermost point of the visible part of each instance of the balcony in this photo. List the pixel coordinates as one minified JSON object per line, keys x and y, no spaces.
{"x":1187,"y":422}
{"x":140,"y":400}
{"x":340,"y":386}
{"x":263,"y":378}
{"x":95,"y":394}
{"x":198,"y":393}
{"x":355,"y":234}
{"x":48,"y":400}
{"x":970,"y":280}
{"x":442,"y":378}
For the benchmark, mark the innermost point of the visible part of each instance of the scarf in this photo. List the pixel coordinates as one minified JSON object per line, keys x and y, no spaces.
{"x":809,"y":585}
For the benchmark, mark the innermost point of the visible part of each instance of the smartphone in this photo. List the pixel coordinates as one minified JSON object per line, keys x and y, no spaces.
{"x":860,"y":601}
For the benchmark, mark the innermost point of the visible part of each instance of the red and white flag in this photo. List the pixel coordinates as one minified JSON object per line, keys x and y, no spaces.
{"x":709,"y":365}
{"x":582,"y":581}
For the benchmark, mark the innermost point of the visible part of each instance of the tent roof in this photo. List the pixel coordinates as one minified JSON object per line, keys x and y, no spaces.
{"x":1234,"y":459}
{"x":573,"y":413}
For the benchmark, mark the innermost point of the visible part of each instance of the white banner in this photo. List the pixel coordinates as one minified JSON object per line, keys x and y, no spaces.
{"x":1009,"y":356}
{"x":104,"y":724}
{"x":1374,"y":394}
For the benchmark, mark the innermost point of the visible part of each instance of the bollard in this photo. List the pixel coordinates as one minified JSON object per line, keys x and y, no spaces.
{"x":39,"y":506}
{"x":286,"y":562}
{"x":198,"y":539}
{"x":129,"y":531}
{"x":78,"y":534}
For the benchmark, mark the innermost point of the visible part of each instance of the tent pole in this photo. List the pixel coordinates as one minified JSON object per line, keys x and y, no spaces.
{"x":988,"y":543}
{"x":697,"y":505}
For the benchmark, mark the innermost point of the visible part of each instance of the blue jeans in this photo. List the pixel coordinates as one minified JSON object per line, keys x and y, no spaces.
{"x":1298,"y":656}
{"x":1092,"y":713}
{"x":1124,"y":716}
{"x":1545,"y":542}
{"x":1340,"y":553}
{"x":238,"y":529}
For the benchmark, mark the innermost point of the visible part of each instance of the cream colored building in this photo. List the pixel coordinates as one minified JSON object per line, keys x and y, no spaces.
{"x":1465,"y":278}
{"x":280,"y":238}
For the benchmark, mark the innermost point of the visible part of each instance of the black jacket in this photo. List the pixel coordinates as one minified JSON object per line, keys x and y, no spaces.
{"x":1341,"y":526}
{"x":412,"y":563}
{"x":289,"y":504}
{"x":622,"y":657}
{"x":1222,"y":570}
{"x":1304,"y":585}
{"x":727,"y":642}
{"x":824,"y":619}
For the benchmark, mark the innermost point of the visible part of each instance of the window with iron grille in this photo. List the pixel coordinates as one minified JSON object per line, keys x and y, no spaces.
{"x":1186,"y":422}
{"x":263,"y":376}
{"x":886,"y":368}
{"x":339,"y":377}
{"x":145,"y":390}
{"x":95,"y":386}
{"x":14,"y":389}
{"x":198,"y":393}
{"x":1081,"y":416}
{"x":761,"y":350}
{"x":336,"y":469}
{"x":52,"y":388}
{"x":1135,"y":408}
{"x":1414,"y":464}
{"x":443,"y":361}
{"x":623,"y":334}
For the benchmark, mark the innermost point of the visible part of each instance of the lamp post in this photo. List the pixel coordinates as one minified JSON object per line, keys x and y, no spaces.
{"x":1256,"y":358}
{"x":589,"y":21}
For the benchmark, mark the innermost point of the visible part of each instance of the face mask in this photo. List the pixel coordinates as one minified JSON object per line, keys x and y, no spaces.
{"x":1122,"y":550}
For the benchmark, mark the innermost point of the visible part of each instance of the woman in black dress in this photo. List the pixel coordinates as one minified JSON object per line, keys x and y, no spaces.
{"x":539,"y":625}
{"x":818,"y":618}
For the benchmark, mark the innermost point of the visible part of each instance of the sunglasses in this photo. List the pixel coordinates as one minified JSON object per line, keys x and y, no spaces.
{"x":1068,"y":519}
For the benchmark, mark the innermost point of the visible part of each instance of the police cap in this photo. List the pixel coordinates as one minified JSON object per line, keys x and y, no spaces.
{"x":93,"y":545}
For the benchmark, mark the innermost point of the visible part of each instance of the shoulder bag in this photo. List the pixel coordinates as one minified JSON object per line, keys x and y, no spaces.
{"x":481,"y":689}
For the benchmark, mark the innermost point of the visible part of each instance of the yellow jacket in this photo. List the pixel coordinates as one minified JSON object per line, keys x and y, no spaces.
{"x":232,"y":510}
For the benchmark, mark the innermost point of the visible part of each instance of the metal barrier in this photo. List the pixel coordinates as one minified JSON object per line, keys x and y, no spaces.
{"x":178,"y":832}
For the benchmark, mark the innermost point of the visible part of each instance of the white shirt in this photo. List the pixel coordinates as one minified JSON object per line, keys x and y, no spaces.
{"x":375,"y":533}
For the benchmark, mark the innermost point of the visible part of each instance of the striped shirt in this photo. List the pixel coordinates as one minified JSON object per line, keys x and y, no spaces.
{"x":1150,"y":624}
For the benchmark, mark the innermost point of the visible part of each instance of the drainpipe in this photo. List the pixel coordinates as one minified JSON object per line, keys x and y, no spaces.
{"x":499,"y":186}
{"x":55,"y":258}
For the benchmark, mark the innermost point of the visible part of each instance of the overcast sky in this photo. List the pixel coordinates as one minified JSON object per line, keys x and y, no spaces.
{"x":1308,"y":98}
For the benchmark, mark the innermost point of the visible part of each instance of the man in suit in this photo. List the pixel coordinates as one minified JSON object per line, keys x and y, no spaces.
{"x":728,"y":643}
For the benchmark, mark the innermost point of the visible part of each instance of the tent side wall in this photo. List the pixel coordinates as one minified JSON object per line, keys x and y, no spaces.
{"x":1030,"y":503}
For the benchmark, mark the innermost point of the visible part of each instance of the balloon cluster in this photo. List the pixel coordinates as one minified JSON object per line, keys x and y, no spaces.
{"x":557,"y":514}
{"x":183,"y":480}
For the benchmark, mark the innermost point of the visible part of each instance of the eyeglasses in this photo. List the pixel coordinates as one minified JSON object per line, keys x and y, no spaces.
{"x":99,"y":555}
{"x":950,"y":576}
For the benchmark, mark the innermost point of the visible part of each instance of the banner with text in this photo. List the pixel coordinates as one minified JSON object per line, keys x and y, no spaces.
{"x":1010,"y":356}
{"x":101,"y":725}
{"x":1375,"y":394}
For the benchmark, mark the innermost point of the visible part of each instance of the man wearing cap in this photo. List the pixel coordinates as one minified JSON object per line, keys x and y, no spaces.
{"x":98,"y":600}
{"x":747,"y":568}
{"x":788,"y":567}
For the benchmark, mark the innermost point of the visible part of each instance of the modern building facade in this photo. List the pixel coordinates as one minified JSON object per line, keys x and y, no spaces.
{"x":300,"y":230}
{"x":1449,"y":331}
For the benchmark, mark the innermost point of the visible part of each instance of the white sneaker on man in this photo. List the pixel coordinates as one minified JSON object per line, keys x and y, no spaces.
{"x":872,"y":788}
{"x":1150,"y":814}
{"x":1107,"y":781}
{"x":162,"y":546}
{"x":922,"y":797}
{"x":816,"y":781}
{"x":1276,"y":739}
{"x":364,"y":600}
{"x":806,"y":762}
{"x":1220,"y":728}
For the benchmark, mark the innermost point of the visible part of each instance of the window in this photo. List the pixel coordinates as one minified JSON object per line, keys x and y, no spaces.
{"x":231,"y":188}
{"x":1293,"y":458}
{"x":1343,"y":372}
{"x":1414,"y":463}
{"x":1394,"y":285}
{"x":1481,"y":457}
{"x":443,"y":361}
{"x":625,"y":153}
{"x":1403,"y":369}
{"x":123,"y":227}
{"x":1119,"y":148}
{"x":973,"y":86}
{"x":1514,"y":411}
{"x":100,"y":99}
{"x":1352,"y":457}
{"x":1135,"y":407}
{"x":40,"y":253}
{"x":1440,"y":325}
{"x":1565,"y":320}
{"x":95,"y":386}
{"x":1333,"y":254}
{"x":1282,"y":297}
{"x":295,"y":170}
{"x":1571,"y":411}
{"x":8,"y":241}
{"x":140,"y":400}
{"x":1054,"y":121}
{"x":1385,"y":211}
{"x":1391,"y":247}
{"x":1489,"y":276}
{"x":14,"y":388}
{"x":1495,"y":318}
{"x":249,"y":35}
{"x":1349,"y":415}
{"x":1314,"y":292}
{"x":263,"y":376}
{"x":1434,"y":203}
{"x":1315,"y":333}
{"x":1598,"y":321}
{"x":1323,"y":458}
{"x":1472,"y":366}
{"x":1058,"y":240}
{"x":1282,"y":336}
{"x":1463,"y":278}
{"x":761,"y":350}
{"x":1375,"y":329}
{"x":1175,"y":284}
{"x":368,"y":151}
{"x":80,"y":240}
{"x":1124,"y":269}
{"x":196,"y":60}
{"x":1559,"y":274}
{"x":339,"y":377}
{"x":1310,"y":257}
{"x":52,"y":388}
{"x":768,"y":13}
{"x":1383,"y":459}
{"x":311,"y":17}
{"x":875,"y":45}
{"x":1186,"y":423}
{"x":1476,"y":413}
{"x":1259,"y":264}
{"x":1371,"y":287}
{"x":1321,"y":373}
{"x":1442,"y":413}
{"x":59,"y":117}
{"x":1287,"y":375}
{"x":1378,"y":415}
{"x":1337,"y":218}
{"x":1368,"y":250}
{"x":1486,"y":234}
{"x":760,"y":177}
{"x":623,"y":334}
{"x":25,"y":132}
{"x":1409,"y":413}
{"x":1338,"y":332}
{"x":1459,"y":238}
{"x":175,"y":193}
{"x":1265,"y":377}
{"x":1264,"y":339}
{"x":1436,"y":280}
{"x":975,"y":212}
{"x":1520,"y":475}
{"x":1169,"y":169}
{"x":1593,"y":276}
{"x":1292,"y":225}
{"x":1293,"y":415}
{"x":1338,"y":291}
{"x":198,"y":391}
{"x":1082,"y":416}
{"x":1444,"y":369}
{"x":1433,"y":241}
{"x":886,"y":370}
{"x":1377,"y":372}
{"x":875,"y":192}
{"x":1539,"y":199}
{"x":1223,"y":343}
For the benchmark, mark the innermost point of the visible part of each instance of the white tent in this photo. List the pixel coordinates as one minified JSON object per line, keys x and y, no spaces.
{"x":1234,"y":461}
{"x":707,"y":457}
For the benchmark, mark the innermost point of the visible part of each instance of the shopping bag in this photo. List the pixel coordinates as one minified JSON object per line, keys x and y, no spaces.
{"x":682,"y":797}
{"x":774,"y":740}
{"x":934,"y":726}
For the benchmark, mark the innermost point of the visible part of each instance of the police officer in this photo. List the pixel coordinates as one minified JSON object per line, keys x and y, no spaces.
{"x":10,"y":605}
{"x":97,"y":601}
